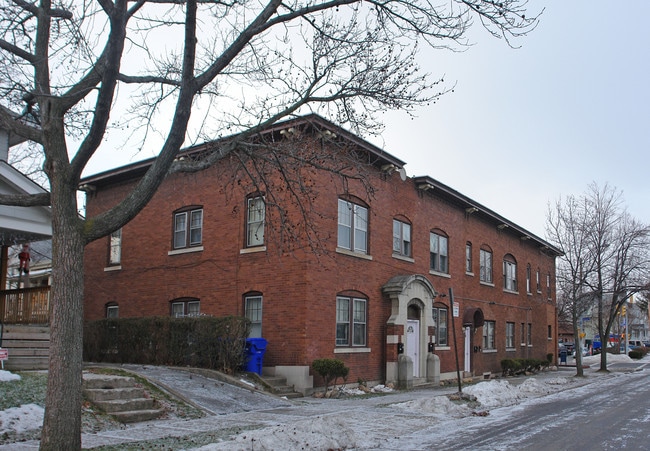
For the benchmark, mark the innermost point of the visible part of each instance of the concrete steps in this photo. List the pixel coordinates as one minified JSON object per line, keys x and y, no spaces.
{"x":278,"y":386}
{"x":120,"y":397}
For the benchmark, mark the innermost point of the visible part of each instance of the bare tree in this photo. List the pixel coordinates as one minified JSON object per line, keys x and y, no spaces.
{"x":606,"y":256}
{"x":568,"y":227}
{"x":78,"y":73}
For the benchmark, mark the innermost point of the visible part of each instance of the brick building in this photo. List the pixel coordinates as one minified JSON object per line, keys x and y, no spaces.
{"x":359,"y":269}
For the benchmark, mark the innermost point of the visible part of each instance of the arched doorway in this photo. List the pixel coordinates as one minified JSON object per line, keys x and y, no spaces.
{"x":408,"y":327}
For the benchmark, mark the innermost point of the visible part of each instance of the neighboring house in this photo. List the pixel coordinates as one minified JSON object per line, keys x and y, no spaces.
{"x":377,"y":296}
{"x":19,"y":226}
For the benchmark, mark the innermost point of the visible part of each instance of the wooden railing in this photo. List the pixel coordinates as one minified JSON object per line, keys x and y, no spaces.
{"x":25,"y":305}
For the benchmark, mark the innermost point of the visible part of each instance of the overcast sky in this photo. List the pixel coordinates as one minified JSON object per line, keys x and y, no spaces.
{"x":525,"y":126}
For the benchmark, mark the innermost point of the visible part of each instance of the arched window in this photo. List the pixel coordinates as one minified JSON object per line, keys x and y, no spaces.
{"x":401,"y":237}
{"x":485,"y":256}
{"x":439,"y":251}
{"x":182,"y":307}
{"x":188,"y":227}
{"x":255,"y":218}
{"x":352,"y":226}
{"x":112,"y":310}
{"x":253,"y":311}
{"x":509,"y":273}
{"x":351,"y":320}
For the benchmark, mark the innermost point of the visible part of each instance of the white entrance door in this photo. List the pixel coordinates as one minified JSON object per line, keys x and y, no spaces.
{"x":468,"y":350}
{"x":413,"y":344}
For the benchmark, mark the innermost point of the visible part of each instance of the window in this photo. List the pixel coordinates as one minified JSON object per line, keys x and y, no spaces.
{"x":528,"y":281}
{"x":440,"y":323}
{"x":112,"y":310}
{"x":550,"y":330}
{"x":486,"y":266}
{"x":253,"y":311}
{"x":509,"y":273}
{"x":468,"y":257}
{"x":548,"y":286}
{"x":255,"y":221}
{"x":115,"y":248}
{"x":350,"y":316}
{"x":188,"y":228}
{"x":353,"y":227}
{"x":185,"y":307}
{"x":529,"y":335}
{"x":539,"y":287}
{"x":401,"y":238}
{"x":523,"y":334}
{"x":488,"y":335}
{"x":510,"y":335}
{"x":439,"y":253}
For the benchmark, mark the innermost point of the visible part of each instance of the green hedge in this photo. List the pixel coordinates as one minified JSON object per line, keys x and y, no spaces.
{"x":203,"y":342}
{"x":511,"y":367}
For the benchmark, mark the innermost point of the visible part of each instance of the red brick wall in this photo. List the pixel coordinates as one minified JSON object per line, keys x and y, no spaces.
{"x":299,"y":288}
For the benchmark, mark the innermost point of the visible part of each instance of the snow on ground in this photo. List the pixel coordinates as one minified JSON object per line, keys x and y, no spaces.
{"x":335,"y":432}
{"x":6,"y":376}
{"x":19,"y":419}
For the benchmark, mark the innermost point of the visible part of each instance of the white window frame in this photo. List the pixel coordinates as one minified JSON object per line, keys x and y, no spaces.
{"x":528,"y":279}
{"x":489,"y":336}
{"x":509,"y":274}
{"x":510,"y":335}
{"x":112,"y":311}
{"x":188,"y":228}
{"x":352,"y":227}
{"x":115,"y":248}
{"x":401,"y":238}
{"x":351,"y":321}
{"x":438,"y":253}
{"x":440,"y":322}
{"x":468,"y":257}
{"x":529,"y":335}
{"x":253,"y":310}
{"x":181,"y":308}
{"x":255,"y":221}
{"x":486,"y":266}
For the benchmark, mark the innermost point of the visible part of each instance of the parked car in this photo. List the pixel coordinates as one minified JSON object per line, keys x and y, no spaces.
{"x":633,"y":344}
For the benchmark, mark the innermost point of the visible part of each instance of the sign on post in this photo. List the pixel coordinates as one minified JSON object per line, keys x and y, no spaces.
{"x":4,"y":355}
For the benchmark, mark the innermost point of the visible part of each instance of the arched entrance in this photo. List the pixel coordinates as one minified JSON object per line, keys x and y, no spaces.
{"x":410,"y":324}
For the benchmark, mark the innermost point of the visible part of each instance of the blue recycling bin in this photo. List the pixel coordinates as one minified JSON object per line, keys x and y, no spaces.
{"x":563,"y":355}
{"x":255,"y":350}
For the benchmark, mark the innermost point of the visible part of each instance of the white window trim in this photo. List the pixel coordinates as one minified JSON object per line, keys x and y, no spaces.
{"x":348,"y":350}
{"x":185,"y":250}
{"x":342,"y":250}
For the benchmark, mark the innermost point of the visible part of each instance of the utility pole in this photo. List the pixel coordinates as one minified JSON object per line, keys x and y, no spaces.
{"x":453,"y":332}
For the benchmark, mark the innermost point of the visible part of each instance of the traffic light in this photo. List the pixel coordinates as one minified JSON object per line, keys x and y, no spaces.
{"x":623,"y":311}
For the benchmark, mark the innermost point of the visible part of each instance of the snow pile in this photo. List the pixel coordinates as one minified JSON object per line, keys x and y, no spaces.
{"x":21,"y":419}
{"x":326,"y":432}
{"x":437,"y":405}
{"x":495,"y":393}
{"x":6,"y":376}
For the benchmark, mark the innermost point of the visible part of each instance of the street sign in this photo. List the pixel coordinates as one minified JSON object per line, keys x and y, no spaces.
{"x":4,"y":354}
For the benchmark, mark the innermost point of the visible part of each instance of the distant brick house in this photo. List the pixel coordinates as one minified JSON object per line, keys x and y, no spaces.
{"x":373,"y":292}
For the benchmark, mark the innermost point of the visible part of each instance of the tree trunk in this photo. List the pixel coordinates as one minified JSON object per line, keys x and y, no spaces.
{"x":62,"y":422}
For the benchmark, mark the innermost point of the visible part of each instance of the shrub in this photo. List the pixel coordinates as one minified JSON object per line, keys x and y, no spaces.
{"x":204,"y":342}
{"x":512,"y":367}
{"x":330,"y":370}
{"x":636,"y":354}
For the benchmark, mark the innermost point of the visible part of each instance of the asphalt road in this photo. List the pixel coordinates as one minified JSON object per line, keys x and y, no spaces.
{"x":612,"y":415}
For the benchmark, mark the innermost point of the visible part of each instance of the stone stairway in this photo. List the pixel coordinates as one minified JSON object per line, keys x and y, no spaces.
{"x":278,"y":385}
{"x":119,"y":397}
